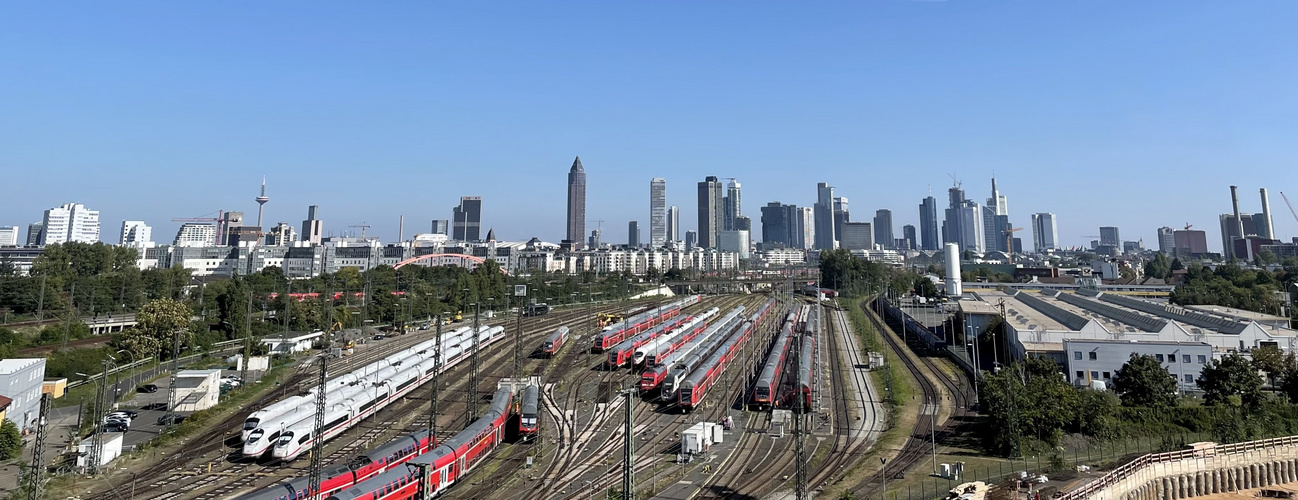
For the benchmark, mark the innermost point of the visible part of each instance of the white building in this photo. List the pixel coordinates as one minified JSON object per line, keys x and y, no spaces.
{"x":783,"y":257}
{"x":1090,"y":360}
{"x":193,"y":234}
{"x":804,"y":228}
{"x":72,"y":222}
{"x":735,"y":242}
{"x":197,"y":390}
{"x":281,"y":235}
{"x":8,"y":236}
{"x":135,"y":233}
{"x":112,"y":448}
{"x":20,"y":380}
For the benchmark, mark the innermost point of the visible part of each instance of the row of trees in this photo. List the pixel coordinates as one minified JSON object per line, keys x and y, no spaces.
{"x":85,"y":278}
{"x":1232,"y":286}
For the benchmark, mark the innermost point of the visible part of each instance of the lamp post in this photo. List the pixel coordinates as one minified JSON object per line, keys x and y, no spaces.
{"x":130,"y":381}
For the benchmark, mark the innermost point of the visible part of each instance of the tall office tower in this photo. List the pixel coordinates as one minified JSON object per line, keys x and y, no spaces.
{"x":840,"y":215}
{"x":710,"y":212}
{"x":883,"y":228}
{"x":908,"y":233}
{"x":281,"y":235}
{"x":775,"y":224}
{"x":805,"y":235}
{"x":232,"y":222}
{"x":9,"y":236}
{"x":576,"y":203}
{"x":442,"y":226}
{"x":313,"y":227}
{"x":964,"y":222}
{"x":743,"y":223}
{"x":594,"y":241}
{"x":657,"y":212}
{"x":732,"y":206}
{"x":135,"y":233}
{"x":996,"y":221}
{"x":825,"y":238}
{"x":1189,"y":242}
{"x":195,"y":234}
{"x":467,"y":219}
{"x":673,"y":223}
{"x":997,"y":201}
{"x":1166,"y":240}
{"x":929,"y":240}
{"x":1230,"y":230}
{"x":35,"y":231}
{"x":1045,"y":234}
{"x":633,"y":234}
{"x":68,"y":223}
{"x":261,"y":201}
{"x":857,"y":236}
{"x":1109,"y":236}
{"x":691,"y":239}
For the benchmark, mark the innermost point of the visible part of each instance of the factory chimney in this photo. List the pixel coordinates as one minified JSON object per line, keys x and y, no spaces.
{"x":1239,"y":223}
{"x":1267,"y":230}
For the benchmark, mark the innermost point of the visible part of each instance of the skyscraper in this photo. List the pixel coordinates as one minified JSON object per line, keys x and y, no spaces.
{"x":633,"y":234}
{"x":733,"y":206}
{"x":1045,"y":234}
{"x":467,"y":219}
{"x":135,"y":233}
{"x":1166,"y":240}
{"x":883,"y":228}
{"x":313,"y":227}
{"x":673,"y":223}
{"x":804,"y":230}
{"x":442,"y":226}
{"x":8,"y":236}
{"x":710,"y":212}
{"x":691,"y":239}
{"x":657,"y":212}
{"x":68,"y":223}
{"x":195,"y":234}
{"x":840,"y":215}
{"x":908,"y":233}
{"x":775,"y":224}
{"x":35,"y":231}
{"x":929,"y":240}
{"x":825,"y":238}
{"x":996,"y":221}
{"x":964,"y":222}
{"x":576,"y":203}
{"x":1109,"y":237}
{"x":857,"y":236}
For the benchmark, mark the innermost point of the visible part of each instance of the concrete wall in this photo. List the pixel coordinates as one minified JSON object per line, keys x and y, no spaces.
{"x":1200,"y":473}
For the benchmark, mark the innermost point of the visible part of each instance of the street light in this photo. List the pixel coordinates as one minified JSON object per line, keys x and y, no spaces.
{"x":129,"y":381}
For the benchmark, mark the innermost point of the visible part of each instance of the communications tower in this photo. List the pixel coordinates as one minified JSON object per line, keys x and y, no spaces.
{"x":261,"y":202}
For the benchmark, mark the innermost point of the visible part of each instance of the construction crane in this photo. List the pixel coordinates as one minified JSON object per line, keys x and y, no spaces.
{"x":1188,"y":226}
{"x":363,"y":226}
{"x":1009,"y":244}
{"x":218,"y":220}
{"x":1290,"y":205}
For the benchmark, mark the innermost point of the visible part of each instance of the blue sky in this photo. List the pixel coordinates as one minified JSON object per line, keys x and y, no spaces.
{"x":1135,"y":114}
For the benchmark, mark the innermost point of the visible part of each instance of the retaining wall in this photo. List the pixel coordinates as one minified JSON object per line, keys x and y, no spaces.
{"x":1205,"y":470}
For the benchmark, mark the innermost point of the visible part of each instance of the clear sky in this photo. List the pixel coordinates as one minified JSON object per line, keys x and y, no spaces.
{"x":1134,"y":114}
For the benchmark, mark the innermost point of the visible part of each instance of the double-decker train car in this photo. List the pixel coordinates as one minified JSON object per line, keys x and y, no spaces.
{"x":529,"y":413}
{"x":806,"y":371}
{"x":555,"y":341}
{"x":624,"y":352}
{"x":696,"y":387}
{"x":766,"y":390}
{"x":649,"y":354}
{"x":679,"y":370}
{"x":639,"y":323}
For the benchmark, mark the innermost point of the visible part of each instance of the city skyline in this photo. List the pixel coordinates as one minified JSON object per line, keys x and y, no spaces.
{"x":153,"y":123}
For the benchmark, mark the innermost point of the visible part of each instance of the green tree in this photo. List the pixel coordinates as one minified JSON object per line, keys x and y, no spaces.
{"x":11,"y":441}
{"x":1158,"y":267}
{"x":1272,"y":362}
{"x":157,"y":324}
{"x":924,"y":287}
{"x":1144,"y":382}
{"x":1231,"y":381}
{"x":232,"y":307}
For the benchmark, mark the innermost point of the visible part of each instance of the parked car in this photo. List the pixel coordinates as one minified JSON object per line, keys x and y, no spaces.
{"x":171,"y":419}
{"x":147,"y":388}
{"x":117,"y":421}
{"x":379,"y":337}
{"x":154,"y":407}
{"x":116,"y":427}
{"x":124,"y":413}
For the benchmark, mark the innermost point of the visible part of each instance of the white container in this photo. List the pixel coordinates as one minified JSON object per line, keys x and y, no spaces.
{"x":112,"y":449}
{"x":717,"y":432}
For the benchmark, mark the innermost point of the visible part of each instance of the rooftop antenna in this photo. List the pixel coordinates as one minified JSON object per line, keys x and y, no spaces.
{"x":261,"y":200}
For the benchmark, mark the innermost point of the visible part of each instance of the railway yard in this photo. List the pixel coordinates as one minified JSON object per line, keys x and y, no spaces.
{"x":742,"y":369}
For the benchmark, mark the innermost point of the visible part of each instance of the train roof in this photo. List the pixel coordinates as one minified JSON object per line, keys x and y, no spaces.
{"x":531,"y":394}
{"x":557,"y":334}
{"x":776,"y":359}
{"x":365,"y":488}
{"x":701,"y":371}
{"x":295,"y":488}
{"x":499,"y":406}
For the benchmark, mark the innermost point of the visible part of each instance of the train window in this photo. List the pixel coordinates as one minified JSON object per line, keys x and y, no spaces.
{"x":303,"y":438}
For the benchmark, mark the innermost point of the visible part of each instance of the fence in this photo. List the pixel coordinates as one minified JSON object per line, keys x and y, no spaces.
{"x":217,"y":348}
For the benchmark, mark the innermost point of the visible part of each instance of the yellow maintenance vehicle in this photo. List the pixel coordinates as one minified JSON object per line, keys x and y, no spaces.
{"x":605,"y":319}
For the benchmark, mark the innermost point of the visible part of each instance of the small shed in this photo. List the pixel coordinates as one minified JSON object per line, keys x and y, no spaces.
{"x":55,"y":387}
{"x":197,"y":390}
{"x":289,"y":345}
{"x":112,"y":449}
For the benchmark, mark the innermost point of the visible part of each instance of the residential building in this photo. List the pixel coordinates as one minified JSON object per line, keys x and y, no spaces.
{"x":928,"y":234}
{"x":1098,"y":360}
{"x":633,"y":234}
{"x":711,"y":211}
{"x":1045,"y":234}
{"x":20,"y":380}
{"x":576,"y":203}
{"x":135,"y":233}
{"x":72,"y":222}
{"x":467,"y":219}
{"x":841,"y":214}
{"x":282,"y":235}
{"x":231,"y":222}
{"x":673,"y":223}
{"x":35,"y":231}
{"x":857,"y":236}
{"x":737,"y":242}
{"x":1109,"y":236}
{"x":657,"y":212}
{"x":823,"y":213}
{"x":313,"y":227}
{"x":731,"y":206}
{"x":908,"y":235}
{"x":195,"y":234}
{"x":8,"y":236}
{"x":1166,"y":240}
{"x":594,"y":240}
{"x":883,"y":228}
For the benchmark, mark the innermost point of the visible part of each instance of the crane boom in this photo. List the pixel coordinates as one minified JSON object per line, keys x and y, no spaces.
{"x":1290,"y":205}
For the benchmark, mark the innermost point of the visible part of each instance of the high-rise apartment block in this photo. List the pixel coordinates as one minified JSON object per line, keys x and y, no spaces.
{"x":576,"y":203}
{"x":928,"y":224}
{"x":195,"y":234}
{"x":72,"y":222}
{"x":467,"y":219}
{"x":711,"y":211}
{"x":823,"y":214}
{"x":281,"y":235}
{"x":1166,"y":240}
{"x":313,"y":227}
{"x":1045,"y":234}
{"x":135,"y":233}
{"x":657,"y":212}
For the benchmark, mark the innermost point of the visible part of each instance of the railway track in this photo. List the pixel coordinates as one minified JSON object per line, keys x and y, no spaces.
{"x":927,"y":430}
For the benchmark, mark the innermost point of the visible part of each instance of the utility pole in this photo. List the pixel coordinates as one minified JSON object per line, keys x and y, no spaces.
{"x":471,"y":393}
{"x":437,"y":383}
{"x":97,"y":442}
{"x":38,"y":463}
{"x":317,"y":445}
{"x":40,"y":303}
{"x":628,"y":458}
{"x":520,"y":291}
{"x":800,"y":435}
{"x":72,"y":306}
{"x":247,"y":337}
{"x":175,"y":366}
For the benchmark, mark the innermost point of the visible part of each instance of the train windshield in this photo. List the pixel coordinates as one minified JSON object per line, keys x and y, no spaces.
{"x":549,"y":346}
{"x":285,"y":439}
{"x":529,"y":421}
{"x":251,"y":424}
{"x":255,"y":436}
